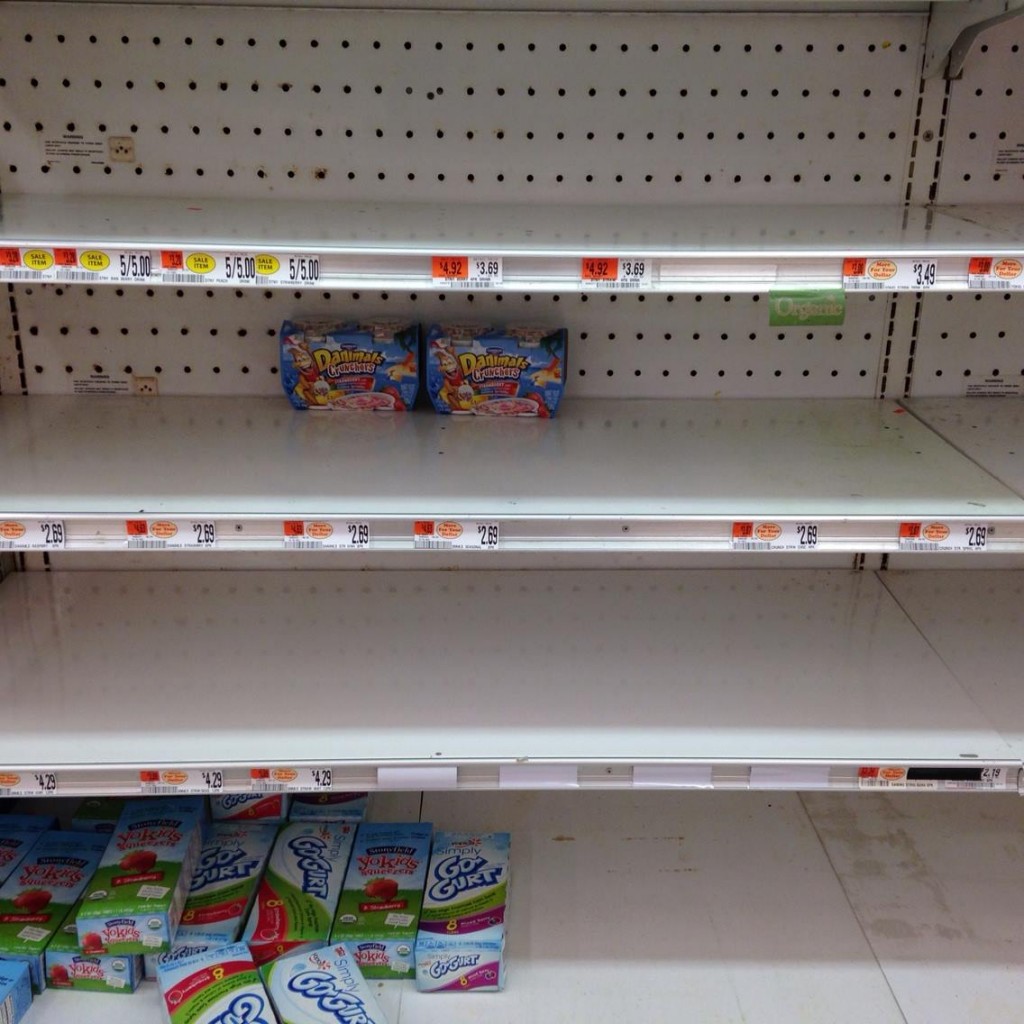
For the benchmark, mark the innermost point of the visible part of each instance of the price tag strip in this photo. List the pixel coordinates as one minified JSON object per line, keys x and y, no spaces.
{"x":948,"y":779}
{"x":41,"y":783}
{"x":615,"y":274}
{"x":768,"y":535}
{"x":1002,"y":273}
{"x":171,"y":781}
{"x":129,"y":266}
{"x":321,"y":534}
{"x":32,"y":535}
{"x":939,"y":536}
{"x":466,"y":271}
{"x":906,"y":274}
{"x":28,"y":264}
{"x":455,"y":535}
{"x":264,"y":268}
{"x":171,"y":534}
{"x":291,"y":780}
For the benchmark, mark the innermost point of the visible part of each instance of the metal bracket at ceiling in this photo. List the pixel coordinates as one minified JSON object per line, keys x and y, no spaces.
{"x":954,"y":28}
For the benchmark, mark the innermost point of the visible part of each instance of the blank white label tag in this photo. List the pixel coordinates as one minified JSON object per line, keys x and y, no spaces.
{"x":789,"y":776}
{"x":538,"y":776}
{"x":441,"y":777}
{"x":679,"y":776}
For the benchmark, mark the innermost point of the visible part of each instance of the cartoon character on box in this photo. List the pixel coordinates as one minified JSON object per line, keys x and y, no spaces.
{"x":456,"y":392}
{"x":307,"y":372}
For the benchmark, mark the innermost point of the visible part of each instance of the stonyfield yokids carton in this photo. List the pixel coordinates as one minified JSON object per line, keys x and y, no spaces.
{"x":380,"y":904}
{"x":15,"y":991}
{"x":324,"y":987}
{"x":329,"y":806}
{"x":93,"y":969}
{"x":493,"y":371}
{"x":27,"y":823}
{"x":135,"y":900}
{"x":220,"y":986}
{"x":37,"y":898}
{"x":297,"y":898}
{"x":97,"y":814}
{"x":249,"y":807}
{"x":224,"y":883}
{"x":14,"y":846}
{"x":461,"y":941}
{"x":344,"y":364}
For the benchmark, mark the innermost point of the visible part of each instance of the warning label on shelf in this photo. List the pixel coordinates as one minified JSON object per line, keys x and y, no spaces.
{"x":1008,"y":156}
{"x":75,"y":146}
{"x":101,"y":384}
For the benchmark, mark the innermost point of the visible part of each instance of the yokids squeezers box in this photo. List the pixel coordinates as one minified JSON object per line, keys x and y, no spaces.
{"x":461,"y":942}
{"x":135,"y":900}
{"x":488,"y":371}
{"x":379,"y":909}
{"x":37,"y":898}
{"x":338,"y":364}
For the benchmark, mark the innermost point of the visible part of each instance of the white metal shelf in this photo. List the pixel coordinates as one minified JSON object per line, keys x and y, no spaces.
{"x":700,"y":909}
{"x":765,"y":678}
{"x":603,"y":476}
{"x":389,"y":246}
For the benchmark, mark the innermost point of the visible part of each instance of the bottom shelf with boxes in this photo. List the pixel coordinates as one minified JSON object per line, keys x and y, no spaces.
{"x":736,"y":907}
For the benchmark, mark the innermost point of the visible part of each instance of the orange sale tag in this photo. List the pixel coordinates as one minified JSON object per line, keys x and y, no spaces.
{"x":449,"y":268}
{"x":599,"y":269}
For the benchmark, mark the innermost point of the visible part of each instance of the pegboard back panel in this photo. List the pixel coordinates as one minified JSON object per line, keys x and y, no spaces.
{"x":382,"y":105}
{"x":217,"y":341}
{"x":983,"y":151}
{"x":969,"y":344}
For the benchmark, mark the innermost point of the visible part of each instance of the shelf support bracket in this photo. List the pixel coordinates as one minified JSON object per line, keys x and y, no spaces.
{"x":954,"y":29}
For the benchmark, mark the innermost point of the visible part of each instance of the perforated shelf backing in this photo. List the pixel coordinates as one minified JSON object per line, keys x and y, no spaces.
{"x":198,"y":341}
{"x":983,"y":151}
{"x":483,"y":106}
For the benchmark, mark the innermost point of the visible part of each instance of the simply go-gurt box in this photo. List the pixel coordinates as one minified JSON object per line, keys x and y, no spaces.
{"x":37,"y":898}
{"x":135,"y":900}
{"x":220,"y":986}
{"x":324,"y":987}
{"x":249,"y":807}
{"x":224,"y":882}
{"x":15,"y":991}
{"x":340,"y":364}
{"x":91,"y":969}
{"x":461,"y":941}
{"x":297,"y":898}
{"x":329,"y":806}
{"x":379,"y":911}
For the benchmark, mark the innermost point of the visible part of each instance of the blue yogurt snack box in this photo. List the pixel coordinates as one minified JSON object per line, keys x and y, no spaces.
{"x":323,"y":987}
{"x":13,"y":848}
{"x":491,"y":371}
{"x":15,"y":991}
{"x":345,"y":364}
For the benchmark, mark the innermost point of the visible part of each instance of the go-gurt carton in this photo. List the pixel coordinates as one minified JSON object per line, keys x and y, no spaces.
{"x":249,"y":807}
{"x":135,"y":900}
{"x":329,"y":806}
{"x":89,"y":969}
{"x":220,"y":986}
{"x":152,"y":962}
{"x":297,"y":898}
{"x":323,"y":987}
{"x":36,"y":899}
{"x":380,"y":905}
{"x":225,"y":881}
{"x":15,"y":991}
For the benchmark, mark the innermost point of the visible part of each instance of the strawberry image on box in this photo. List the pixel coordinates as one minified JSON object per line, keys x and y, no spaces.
{"x":37,"y":898}
{"x":87,"y":966}
{"x":135,"y":900}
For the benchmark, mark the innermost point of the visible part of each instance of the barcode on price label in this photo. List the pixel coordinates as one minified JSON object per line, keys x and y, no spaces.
{"x":1000,"y":273}
{"x":194,"y":781}
{"x":950,"y":779}
{"x":170,"y":534}
{"x":291,"y":780}
{"x":466,"y":271}
{"x":34,"y":783}
{"x":912,"y":273}
{"x":939,"y":536}
{"x":608,"y":272}
{"x":768,"y":535}
{"x":320,"y":534}
{"x":455,"y":535}
{"x":32,"y":535}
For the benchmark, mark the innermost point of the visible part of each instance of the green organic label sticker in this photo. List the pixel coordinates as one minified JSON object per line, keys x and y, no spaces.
{"x":807,"y":307}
